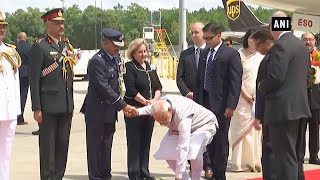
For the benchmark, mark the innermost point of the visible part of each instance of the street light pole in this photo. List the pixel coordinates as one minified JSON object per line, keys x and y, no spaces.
{"x":95,"y":25}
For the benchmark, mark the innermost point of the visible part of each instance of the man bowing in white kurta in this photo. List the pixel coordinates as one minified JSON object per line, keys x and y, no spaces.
{"x":191,"y":128}
{"x":9,"y":98}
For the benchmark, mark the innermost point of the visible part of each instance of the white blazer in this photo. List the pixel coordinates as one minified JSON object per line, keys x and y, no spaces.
{"x":9,"y":88}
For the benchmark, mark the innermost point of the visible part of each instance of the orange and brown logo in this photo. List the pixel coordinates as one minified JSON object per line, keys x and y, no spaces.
{"x":233,"y":9}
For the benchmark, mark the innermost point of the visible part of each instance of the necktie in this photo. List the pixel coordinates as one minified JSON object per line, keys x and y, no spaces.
{"x":208,"y":70}
{"x":60,"y":43}
{"x":197,"y":56}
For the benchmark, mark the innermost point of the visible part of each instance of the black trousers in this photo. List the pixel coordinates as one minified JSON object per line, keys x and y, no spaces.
{"x":206,"y":156}
{"x":54,"y":144}
{"x":268,"y":157}
{"x":24,"y":86}
{"x":313,"y":136}
{"x":219,"y":148}
{"x":139,"y":133}
{"x":99,"y":137}
{"x":286,"y":138}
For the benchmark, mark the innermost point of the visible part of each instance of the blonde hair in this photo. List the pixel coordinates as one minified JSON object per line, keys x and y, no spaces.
{"x":134,"y":45}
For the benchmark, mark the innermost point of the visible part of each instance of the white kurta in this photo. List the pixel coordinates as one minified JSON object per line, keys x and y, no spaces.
{"x":192,"y":127}
{"x":9,"y":88}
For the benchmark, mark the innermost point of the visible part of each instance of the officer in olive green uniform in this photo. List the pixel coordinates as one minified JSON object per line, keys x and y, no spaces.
{"x":51,"y":83}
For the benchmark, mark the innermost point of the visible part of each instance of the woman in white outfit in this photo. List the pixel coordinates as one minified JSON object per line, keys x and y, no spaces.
{"x":244,"y":139}
{"x":9,"y":98}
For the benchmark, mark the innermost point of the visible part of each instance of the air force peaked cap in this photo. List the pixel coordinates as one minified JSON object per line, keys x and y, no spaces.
{"x":115,"y":36}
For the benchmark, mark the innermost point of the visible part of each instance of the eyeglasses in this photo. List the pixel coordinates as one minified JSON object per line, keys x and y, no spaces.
{"x":308,"y":39}
{"x":209,"y":38}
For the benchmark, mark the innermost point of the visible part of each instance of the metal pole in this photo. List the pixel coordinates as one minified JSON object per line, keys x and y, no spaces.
{"x":101,"y":20}
{"x":182,"y":25}
{"x":95,"y":24}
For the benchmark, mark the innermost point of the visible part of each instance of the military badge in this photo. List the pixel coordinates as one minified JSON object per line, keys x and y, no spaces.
{"x":54,"y":55}
{"x":60,"y":13}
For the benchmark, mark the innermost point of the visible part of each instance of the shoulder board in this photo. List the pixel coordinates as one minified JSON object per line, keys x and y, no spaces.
{"x":10,"y":45}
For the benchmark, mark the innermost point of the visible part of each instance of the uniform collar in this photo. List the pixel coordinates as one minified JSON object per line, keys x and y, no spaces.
{"x":54,"y":39}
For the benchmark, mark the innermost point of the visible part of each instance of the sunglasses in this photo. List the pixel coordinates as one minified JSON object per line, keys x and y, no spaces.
{"x":209,"y":37}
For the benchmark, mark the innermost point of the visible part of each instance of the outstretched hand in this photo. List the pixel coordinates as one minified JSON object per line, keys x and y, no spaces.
{"x":130,"y":111}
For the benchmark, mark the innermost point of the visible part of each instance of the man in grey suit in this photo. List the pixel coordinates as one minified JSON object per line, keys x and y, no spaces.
{"x":189,"y":60}
{"x":286,"y":100}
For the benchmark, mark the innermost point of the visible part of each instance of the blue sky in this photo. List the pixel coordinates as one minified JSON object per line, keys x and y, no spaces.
{"x":12,"y":5}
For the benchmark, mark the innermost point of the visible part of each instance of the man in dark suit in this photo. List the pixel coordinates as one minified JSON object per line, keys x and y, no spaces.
{"x":220,"y":79}
{"x":187,"y":75}
{"x":263,"y":43}
{"x":23,"y":49}
{"x":314,"y":100}
{"x":188,"y":62}
{"x":51,"y":85}
{"x":286,"y":101}
{"x":102,"y":103}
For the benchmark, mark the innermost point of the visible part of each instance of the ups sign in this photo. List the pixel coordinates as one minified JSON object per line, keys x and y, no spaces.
{"x":233,"y":9}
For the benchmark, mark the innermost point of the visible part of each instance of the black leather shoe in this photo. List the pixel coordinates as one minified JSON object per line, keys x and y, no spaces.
{"x":22,"y":123}
{"x":35,"y":132}
{"x":315,"y":161}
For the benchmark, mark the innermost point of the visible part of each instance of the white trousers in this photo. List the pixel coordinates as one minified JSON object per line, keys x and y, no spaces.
{"x":196,"y":168}
{"x":7,"y":131}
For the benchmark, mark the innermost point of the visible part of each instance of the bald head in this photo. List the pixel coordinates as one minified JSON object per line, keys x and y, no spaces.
{"x":197,"y":34}
{"x":309,"y":40}
{"x":161,"y":112}
{"x":276,"y":34}
{"x":22,"y":36}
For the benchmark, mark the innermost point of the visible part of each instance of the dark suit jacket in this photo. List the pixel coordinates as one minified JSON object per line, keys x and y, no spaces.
{"x":138,"y":80}
{"x":103,"y":98}
{"x":226,"y":79}
{"x":51,"y":93}
{"x":23,"y":48}
{"x":315,"y":97}
{"x":187,"y":71}
{"x":285,"y":87}
{"x":262,"y":74}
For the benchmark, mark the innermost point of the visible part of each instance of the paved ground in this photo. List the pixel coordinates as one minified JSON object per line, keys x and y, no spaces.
{"x":25,"y":158}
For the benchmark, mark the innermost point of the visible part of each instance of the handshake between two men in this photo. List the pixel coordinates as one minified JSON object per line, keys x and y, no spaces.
{"x":130,"y":111}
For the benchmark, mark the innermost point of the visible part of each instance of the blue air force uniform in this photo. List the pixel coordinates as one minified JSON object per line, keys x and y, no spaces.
{"x":100,"y":107}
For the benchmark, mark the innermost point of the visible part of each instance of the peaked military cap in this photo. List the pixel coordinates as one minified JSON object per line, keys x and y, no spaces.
{"x":3,"y":19}
{"x":115,"y":36}
{"x":53,"y":15}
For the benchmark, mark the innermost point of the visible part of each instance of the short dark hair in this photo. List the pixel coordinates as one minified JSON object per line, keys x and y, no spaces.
{"x":246,"y":37}
{"x":228,"y":39}
{"x":40,"y":36}
{"x":262,"y":36}
{"x":214,"y":28}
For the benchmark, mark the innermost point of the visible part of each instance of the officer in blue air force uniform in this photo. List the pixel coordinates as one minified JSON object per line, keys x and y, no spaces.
{"x":102,"y":103}
{"x":51,"y":84}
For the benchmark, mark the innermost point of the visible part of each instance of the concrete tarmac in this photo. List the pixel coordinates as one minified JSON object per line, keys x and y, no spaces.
{"x":25,"y":156}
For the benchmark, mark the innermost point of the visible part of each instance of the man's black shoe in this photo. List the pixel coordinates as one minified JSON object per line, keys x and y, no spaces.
{"x":315,"y":160}
{"x":35,"y":132}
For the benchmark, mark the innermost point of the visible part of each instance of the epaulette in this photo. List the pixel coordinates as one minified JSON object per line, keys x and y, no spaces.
{"x":11,"y":45}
